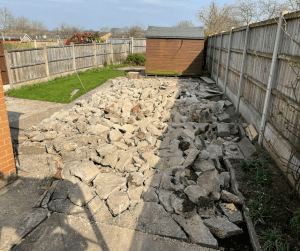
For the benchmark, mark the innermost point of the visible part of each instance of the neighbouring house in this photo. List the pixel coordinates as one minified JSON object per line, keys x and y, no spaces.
{"x":104,"y":35}
{"x":118,"y":36}
{"x":18,"y":37}
{"x":174,"y":50}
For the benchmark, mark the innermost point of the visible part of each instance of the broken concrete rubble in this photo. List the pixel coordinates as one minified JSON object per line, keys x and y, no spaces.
{"x":137,"y":157}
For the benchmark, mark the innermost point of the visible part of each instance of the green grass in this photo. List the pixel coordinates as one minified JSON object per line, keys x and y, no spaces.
{"x":273,"y":240}
{"x":59,"y":89}
{"x":11,"y":46}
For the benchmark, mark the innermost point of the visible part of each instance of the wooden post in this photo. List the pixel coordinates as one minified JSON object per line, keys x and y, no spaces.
{"x":271,"y":80}
{"x":111,"y":52}
{"x":74,"y":58}
{"x":8,"y":68}
{"x":228,"y":60}
{"x":219,"y":58}
{"x":34,"y":43}
{"x":241,"y":82}
{"x":131,"y":49}
{"x":45,"y":56}
{"x":95,"y":53}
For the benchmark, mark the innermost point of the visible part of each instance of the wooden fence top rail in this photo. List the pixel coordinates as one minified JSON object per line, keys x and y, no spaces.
{"x":21,"y":50}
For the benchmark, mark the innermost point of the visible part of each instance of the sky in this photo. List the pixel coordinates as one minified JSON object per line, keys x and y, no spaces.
{"x":93,"y":14}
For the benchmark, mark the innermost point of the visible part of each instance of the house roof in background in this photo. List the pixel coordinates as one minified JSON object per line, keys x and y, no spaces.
{"x":118,"y":35}
{"x":175,"y":32}
{"x":17,"y":35}
{"x":103,"y":33}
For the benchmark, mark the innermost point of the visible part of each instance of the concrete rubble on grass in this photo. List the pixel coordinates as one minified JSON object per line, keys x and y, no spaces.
{"x":144,"y":155}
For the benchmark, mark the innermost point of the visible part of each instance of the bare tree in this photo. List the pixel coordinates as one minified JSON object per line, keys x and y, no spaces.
{"x":134,"y":30}
{"x":270,"y":8}
{"x":293,"y":5}
{"x":246,"y":10}
{"x":104,"y":29}
{"x":23,"y":24}
{"x":218,"y":18}
{"x":37,"y":28}
{"x":6,"y":19}
{"x":187,"y":23}
{"x":65,"y":31}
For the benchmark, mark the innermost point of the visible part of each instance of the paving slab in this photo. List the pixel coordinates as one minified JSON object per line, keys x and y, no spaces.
{"x":246,"y":147}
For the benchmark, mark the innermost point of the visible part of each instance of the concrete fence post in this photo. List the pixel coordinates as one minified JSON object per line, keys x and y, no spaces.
{"x":272,"y":78}
{"x":228,"y":60}
{"x":243,"y":68}
{"x":74,"y":56}
{"x":125,"y":49}
{"x":111,"y":52}
{"x":131,"y":46}
{"x":34,"y":43}
{"x":45,"y":56}
{"x":213,"y":56}
{"x":219,"y":58}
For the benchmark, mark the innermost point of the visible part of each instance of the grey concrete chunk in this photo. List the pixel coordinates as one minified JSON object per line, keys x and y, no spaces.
{"x":206,"y":207}
{"x":108,"y":183}
{"x":86,"y":171}
{"x":125,"y":160}
{"x":150,"y":195}
{"x":182,"y":205}
{"x":246,"y":147}
{"x":224,"y":179}
{"x":196,"y":230}
{"x":223,"y":117}
{"x":202,"y":165}
{"x":233,"y":214}
{"x":164,"y":199}
{"x":118,"y":202}
{"x":136,"y":179}
{"x":80,"y":193}
{"x":229,"y":197}
{"x":192,"y":155}
{"x":223,"y":130}
{"x":210,"y":183}
{"x":151,"y":218}
{"x":222,"y":228}
{"x":194,"y":192}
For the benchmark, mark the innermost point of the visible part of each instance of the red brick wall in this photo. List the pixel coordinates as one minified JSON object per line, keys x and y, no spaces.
{"x":174,"y":56}
{"x":7,"y":162}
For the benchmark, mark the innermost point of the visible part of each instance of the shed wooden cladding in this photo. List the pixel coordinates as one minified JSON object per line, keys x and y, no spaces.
{"x":174,"y":56}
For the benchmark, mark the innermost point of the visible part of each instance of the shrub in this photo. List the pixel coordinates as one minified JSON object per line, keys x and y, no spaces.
{"x":135,"y":59}
{"x":84,"y":38}
{"x":295,"y":222}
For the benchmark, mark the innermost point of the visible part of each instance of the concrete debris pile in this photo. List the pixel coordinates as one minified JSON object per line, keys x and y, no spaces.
{"x":146,"y":155}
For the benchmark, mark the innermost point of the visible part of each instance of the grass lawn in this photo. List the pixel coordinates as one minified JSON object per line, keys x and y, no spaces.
{"x":11,"y":46}
{"x":59,"y":89}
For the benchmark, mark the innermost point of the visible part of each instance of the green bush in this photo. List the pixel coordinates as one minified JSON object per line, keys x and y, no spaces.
{"x":295,"y":222}
{"x":135,"y":59}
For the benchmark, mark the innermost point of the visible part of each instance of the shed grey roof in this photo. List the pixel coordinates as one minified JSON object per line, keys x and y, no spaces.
{"x":175,"y":32}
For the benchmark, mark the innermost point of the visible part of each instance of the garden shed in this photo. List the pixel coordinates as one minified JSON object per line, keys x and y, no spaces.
{"x":174,"y":50}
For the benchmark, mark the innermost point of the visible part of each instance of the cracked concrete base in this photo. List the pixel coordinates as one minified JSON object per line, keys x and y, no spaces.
{"x":67,"y":232}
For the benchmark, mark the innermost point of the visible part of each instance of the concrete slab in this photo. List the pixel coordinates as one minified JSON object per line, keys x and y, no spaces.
{"x":70,"y":233}
{"x":24,"y":113}
{"x":208,"y":80}
{"x":246,"y":147}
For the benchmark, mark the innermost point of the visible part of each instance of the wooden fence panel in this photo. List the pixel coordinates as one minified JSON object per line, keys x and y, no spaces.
{"x":238,"y":40}
{"x":262,"y":53}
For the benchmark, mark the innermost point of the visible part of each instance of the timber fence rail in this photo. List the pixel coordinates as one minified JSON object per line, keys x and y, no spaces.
{"x":40,"y":64}
{"x":258,"y":68}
